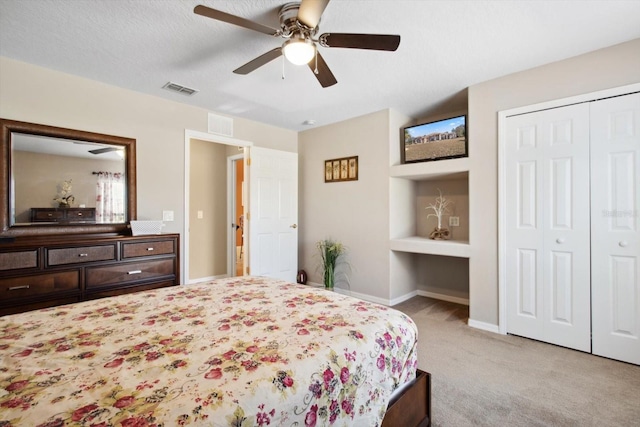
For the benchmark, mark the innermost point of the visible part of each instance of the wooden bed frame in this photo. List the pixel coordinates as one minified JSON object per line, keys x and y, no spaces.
{"x":412,"y":408}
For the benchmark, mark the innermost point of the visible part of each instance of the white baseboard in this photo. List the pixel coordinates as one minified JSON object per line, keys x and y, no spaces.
{"x":443,"y":297}
{"x":484,"y":326}
{"x":366,"y":297}
{"x":403,"y":298}
{"x":205,"y":279}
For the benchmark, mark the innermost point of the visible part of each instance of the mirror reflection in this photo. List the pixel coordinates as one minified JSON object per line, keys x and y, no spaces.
{"x":65,"y":181}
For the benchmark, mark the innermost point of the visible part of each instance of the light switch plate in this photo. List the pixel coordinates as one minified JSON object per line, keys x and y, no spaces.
{"x":454,"y":221}
{"x":167,"y":215}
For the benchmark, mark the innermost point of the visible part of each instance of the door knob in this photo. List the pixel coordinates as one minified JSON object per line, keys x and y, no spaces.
{"x":560,"y":240}
{"x":294,"y":226}
{"x":623,"y":244}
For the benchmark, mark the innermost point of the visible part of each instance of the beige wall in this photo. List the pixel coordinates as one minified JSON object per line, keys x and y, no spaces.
{"x":35,"y":94}
{"x":208,"y":194}
{"x":354,"y":212}
{"x":611,"y":67}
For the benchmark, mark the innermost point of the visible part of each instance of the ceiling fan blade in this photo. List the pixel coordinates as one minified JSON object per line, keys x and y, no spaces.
{"x":310,"y":12}
{"x":360,"y":41}
{"x":324,"y":74}
{"x":235,"y":20}
{"x":104,"y":150}
{"x":259,"y":61}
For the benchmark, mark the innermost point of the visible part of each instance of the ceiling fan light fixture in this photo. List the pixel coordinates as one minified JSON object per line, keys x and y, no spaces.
{"x":299,"y":51}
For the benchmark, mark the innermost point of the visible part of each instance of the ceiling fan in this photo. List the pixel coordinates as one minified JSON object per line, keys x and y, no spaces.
{"x":299,"y":27}
{"x":105,"y":150}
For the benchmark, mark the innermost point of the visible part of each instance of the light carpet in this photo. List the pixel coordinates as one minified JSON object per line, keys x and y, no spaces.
{"x":484,"y":379}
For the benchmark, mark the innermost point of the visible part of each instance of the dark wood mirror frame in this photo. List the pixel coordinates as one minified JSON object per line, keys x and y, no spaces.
{"x":7,"y":127}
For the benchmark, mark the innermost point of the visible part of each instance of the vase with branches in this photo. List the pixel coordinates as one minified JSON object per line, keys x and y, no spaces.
{"x":440,"y":208}
{"x":331,"y":254}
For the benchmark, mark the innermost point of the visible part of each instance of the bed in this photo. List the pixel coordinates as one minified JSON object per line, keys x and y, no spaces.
{"x":244,"y":351}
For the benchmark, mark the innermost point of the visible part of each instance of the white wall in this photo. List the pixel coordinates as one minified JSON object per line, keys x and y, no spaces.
{"x":606,"y":68}
{"x":39,"y":95}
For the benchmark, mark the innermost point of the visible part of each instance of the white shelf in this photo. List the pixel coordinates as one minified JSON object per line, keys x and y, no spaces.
{"x":422,"y":245}
{"x":451,"y":169}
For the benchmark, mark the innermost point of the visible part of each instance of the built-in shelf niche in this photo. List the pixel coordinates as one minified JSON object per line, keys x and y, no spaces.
{"x":414,"y":186}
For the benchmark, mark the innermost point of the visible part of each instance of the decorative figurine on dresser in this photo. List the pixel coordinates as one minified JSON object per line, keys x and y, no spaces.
{"x":75,"y":246}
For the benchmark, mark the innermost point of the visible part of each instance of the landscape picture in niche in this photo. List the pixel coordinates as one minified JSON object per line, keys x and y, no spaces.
{"x":442,"y":139}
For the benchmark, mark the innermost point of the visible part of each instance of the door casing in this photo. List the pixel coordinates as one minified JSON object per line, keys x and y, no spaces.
{"x":208,"y":137}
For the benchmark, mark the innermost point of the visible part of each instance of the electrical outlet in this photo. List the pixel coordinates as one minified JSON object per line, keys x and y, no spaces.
{"x":200,"y":214}
{"x":454,"y":221}
{"x":167,"y":215}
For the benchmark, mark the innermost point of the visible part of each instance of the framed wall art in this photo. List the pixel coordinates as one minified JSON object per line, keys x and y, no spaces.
{"x":343,"y":169}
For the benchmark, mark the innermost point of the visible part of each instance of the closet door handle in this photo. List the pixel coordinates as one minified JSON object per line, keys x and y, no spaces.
{"x":560,"y":240}
{"x":623,"y":244}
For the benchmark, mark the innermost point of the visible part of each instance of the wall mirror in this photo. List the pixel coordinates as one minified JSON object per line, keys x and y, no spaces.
{"x":56,"y":180}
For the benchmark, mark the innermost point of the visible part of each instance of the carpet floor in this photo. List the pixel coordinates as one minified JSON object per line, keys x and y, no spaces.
{"x":484,"y":379}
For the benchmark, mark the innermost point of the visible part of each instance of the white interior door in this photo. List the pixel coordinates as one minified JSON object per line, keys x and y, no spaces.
{"x":547,"y":254}
{"x":273,"y":213}
{"x":615,"y":178}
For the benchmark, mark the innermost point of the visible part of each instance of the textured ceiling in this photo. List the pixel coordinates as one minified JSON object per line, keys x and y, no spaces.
{"x":446,"y":46}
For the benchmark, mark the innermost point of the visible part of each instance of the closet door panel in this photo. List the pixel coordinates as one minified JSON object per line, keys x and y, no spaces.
{"x":524,"y":217}
{"x":615,"y":211}
{"x":548,"y":226}
{"x":566,"y":226}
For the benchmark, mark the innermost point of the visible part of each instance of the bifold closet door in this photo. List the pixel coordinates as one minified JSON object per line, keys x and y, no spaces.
{"x":615,"y":211}
{"x":547,"y":230}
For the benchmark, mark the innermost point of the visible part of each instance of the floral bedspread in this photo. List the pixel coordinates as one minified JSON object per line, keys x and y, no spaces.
{"x":244,"y":351}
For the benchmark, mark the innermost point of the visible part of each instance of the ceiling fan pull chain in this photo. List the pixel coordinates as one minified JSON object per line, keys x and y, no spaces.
{"x":316,"y":70}
{"x":283,"y":61}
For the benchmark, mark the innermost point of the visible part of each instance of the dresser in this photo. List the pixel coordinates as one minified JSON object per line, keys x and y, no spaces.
{"x":54,"y":270}
{"x":64,"y":215}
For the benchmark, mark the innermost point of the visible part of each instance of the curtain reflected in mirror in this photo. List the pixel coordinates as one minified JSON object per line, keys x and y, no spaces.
{"x":110,"y":207}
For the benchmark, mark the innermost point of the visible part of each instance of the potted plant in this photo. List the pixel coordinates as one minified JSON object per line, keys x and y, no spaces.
{"x":64,"y":198}
{"x":330,"y":254}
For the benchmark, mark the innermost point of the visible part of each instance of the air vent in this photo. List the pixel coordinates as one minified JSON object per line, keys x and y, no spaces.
{"x":220,"y":125}
{"x":179,"y":88}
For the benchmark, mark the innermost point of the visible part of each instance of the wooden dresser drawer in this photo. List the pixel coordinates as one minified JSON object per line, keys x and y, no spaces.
{"x":81,"y":254}
{"x":63,"y":215}
{"x":155,"y":247}
{"x":21,"y":259}
{"x":39,"y":284}
{"x":80,"y":215}
{"x":46,"y":215}
{"x":129,"y":272}
{"x":128,"y":289}
{"x":17,"y":308}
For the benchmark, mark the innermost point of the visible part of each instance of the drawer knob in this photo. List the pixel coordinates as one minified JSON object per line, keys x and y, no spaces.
{"x":79,"y":213}
{"x":149,"y":249}
{"x":135,"y":272}
{"x":49,"y":214}
{"x":15,"y":288}
{"x":83,"y":255}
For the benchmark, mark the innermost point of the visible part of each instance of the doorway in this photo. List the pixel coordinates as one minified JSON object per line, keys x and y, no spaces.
{"x":208,"y":234}
{"x":237,"y":204}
